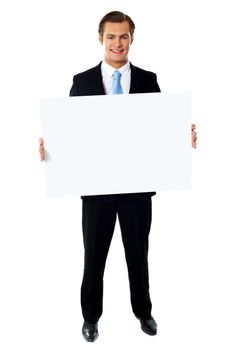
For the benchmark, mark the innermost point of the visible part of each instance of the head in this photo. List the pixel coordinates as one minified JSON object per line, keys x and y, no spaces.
{"x":116,"y":35}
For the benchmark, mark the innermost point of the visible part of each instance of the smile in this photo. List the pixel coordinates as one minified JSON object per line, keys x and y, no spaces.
{"x":117,"y":51}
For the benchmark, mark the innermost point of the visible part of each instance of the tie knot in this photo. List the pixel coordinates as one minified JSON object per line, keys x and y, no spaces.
{"x":117,"y":74}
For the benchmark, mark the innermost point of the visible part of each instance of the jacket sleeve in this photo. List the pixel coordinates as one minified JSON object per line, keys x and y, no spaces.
{"x":153,"y":85}
{"x":74,"y":89}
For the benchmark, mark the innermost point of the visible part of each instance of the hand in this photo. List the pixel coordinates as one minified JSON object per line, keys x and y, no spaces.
{"x":41,"y":148}
{"x":194,"y":136}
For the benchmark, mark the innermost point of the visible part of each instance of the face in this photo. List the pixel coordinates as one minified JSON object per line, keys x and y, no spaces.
{"x":116,"y":40}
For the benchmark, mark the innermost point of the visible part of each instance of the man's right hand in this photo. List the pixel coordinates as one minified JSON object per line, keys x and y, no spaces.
{"x":41,"y":148}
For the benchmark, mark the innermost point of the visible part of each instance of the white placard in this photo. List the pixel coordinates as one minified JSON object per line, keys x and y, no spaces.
{"x":117,"y":143}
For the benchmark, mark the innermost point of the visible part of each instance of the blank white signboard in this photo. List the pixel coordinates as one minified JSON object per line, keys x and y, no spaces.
{"x":117,"y":143}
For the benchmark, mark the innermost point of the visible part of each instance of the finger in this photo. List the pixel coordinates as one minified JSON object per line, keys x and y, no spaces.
{"x":41,"y":151}
{"x":42,"y":155}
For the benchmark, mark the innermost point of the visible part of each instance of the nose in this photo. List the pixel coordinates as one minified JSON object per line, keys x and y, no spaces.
{"x":117,"y":42}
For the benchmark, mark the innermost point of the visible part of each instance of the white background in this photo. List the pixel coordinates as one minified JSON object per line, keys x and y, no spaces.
{"x":191,"y":46}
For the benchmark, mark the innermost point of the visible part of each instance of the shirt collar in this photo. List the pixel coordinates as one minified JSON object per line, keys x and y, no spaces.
{"x":110,"y":70}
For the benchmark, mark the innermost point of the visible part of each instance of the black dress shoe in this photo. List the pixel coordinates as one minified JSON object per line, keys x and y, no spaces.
{"x":90,"y":331}
{"x":148,"y":326}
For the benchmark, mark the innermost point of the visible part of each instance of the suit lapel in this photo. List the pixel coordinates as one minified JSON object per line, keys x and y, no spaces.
{"x":97,"y":80}
{"x":134,"y":80}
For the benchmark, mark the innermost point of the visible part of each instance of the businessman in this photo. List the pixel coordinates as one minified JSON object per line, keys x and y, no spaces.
{"x":115,"y":75}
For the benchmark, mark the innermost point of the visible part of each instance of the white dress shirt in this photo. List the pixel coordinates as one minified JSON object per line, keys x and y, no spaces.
{"x":107,"y":72}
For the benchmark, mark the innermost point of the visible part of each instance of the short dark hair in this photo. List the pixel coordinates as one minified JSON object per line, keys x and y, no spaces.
{"x":116,"y":17}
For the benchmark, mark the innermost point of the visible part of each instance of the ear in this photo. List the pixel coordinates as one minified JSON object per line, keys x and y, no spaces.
{"x":101,"y":39}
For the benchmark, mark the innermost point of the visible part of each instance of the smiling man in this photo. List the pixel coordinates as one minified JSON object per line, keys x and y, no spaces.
{"x":116,"y":32}
{"x":115,"y":74}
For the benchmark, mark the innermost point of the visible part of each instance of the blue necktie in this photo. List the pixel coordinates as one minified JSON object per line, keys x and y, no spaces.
{"x":117,"y":87}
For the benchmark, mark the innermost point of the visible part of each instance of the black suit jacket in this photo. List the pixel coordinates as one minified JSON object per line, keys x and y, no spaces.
{"x":90,"y":83}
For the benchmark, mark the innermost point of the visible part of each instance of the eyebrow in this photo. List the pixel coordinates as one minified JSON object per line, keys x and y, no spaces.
{"x":126,"y":34}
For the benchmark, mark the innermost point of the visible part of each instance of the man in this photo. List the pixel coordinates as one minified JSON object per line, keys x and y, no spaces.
{"x":115,"y":75}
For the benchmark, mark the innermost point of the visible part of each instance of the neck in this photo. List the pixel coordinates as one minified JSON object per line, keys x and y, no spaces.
{"x":116,"y":65}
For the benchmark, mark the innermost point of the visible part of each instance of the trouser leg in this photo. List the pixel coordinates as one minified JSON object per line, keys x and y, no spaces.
{"x":98,"y":221}
{"x":135,"y":221}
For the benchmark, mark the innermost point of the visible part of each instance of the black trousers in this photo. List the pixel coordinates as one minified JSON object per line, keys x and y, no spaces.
{"x":98,"y":222}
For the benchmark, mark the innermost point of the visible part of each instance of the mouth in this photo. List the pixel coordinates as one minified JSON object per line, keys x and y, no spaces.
{"x":117,"y":52}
